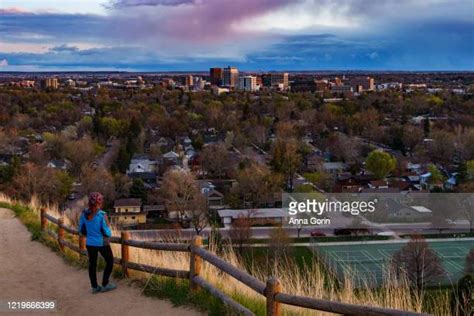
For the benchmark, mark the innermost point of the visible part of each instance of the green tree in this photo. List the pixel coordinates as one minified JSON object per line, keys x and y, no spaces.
{"x":123,"y":159}
{"x":436,"y":175}
{"x":304,"y":188}
{"x":426,"y":126}
{"x":65,"y":181}
{"x":380,"y":163}
{"x":321,"y":179}
{"x":470,"y":169}
{"x":286,"y":159}
{"x":8,"y":172}
{"x":138,"y":190}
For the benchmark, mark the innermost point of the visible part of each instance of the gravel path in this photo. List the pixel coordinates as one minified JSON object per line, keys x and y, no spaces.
{"x":31,"y":271}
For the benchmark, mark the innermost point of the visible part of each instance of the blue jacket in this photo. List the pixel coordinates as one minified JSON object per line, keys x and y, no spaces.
{"x":96,"y":229}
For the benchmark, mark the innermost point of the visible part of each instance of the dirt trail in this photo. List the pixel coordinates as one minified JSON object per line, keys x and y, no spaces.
{"x":31,"y":271}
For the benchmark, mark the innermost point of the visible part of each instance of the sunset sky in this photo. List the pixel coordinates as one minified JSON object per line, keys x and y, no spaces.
{"x":161,"y":35}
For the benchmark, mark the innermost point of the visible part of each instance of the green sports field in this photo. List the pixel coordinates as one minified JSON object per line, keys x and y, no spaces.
{"x":366,"y":263}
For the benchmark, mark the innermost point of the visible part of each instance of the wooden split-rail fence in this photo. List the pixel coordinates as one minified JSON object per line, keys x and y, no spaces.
{"x":271,"y":289}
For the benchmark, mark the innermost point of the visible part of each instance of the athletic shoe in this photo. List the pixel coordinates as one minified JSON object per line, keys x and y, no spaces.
{"x":96,"y":290}
{"x":108,"y":287}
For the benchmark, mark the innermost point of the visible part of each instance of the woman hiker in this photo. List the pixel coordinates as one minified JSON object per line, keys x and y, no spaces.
{"x":94,"y":225}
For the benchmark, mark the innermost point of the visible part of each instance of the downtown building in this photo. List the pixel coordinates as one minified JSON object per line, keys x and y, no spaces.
{"x":50,"y":83}
{"x":279,"y":80}
{"x":216,"y":76}
{"x":230,"y":77}
{"x":189,"y":81}
{"x":248,"y":83}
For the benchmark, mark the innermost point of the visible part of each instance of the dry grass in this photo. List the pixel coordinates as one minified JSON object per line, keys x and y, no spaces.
{"x":311,"y":281}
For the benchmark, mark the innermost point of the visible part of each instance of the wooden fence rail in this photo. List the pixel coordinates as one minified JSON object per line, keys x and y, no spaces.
{"x":271,"y":290}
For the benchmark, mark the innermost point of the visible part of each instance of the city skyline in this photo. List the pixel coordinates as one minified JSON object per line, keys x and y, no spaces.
{"x":193,"y":35}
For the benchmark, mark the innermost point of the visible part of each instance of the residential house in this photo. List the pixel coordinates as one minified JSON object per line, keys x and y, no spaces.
{"x":313,"y":161}
{"x":148,"y":178}
{"x":378,"y":184}
{"x":403,"y":186}
{"x":186,"y":141}
{"x":214,"y":198}
{"x":452,"y":181}
{"x":170,"y":156}
{"x":190,"y":152}
{"x":165,"y":143}
{"x":128,"y":212}
{"x":141,"y":163}
{"x":155,"y":211}
{"x":169,"y":159}
{"x":414,"y":167}
{"x":334,"y":167}
{"x":57,"y":164}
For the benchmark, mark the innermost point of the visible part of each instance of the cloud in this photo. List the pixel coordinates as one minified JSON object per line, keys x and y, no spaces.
{"x":205,"y":21}
{"x":64,"y":48}
{"x":52,"y":27}
{"x":12,"y":11}
{"x":373,"y":55}
{"x":284,"y":34}
{"x":133,"y":3}
{"x":3,"y":63}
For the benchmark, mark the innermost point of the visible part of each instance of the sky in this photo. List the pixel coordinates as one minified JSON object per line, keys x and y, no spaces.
{"x":257,"y":35}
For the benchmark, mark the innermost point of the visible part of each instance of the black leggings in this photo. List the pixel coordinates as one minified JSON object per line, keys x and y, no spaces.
{"x":93,"y":253}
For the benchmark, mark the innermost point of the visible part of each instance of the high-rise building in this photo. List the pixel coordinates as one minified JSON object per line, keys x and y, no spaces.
{"x":248,"y":83}
{"x":230,"y":77}
{"x":280,"y":79}
{"x":188,"y":81}
{"x":51,"y":83}
{"x":216,"y":76}
{"x":303,"y":85}
{"x":371,"y":83}
{"x":276,"y":79}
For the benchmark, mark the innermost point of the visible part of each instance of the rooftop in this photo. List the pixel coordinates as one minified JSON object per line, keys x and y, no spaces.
{"x":128,"y":202}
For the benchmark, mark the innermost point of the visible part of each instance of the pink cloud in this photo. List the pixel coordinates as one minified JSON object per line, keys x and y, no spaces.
{"x":207,"y":21}
{"x":13,"y":10}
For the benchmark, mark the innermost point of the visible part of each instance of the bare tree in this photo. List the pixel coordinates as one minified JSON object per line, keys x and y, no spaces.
{"x":279,"y":243}
{"x":48,"y":184}
{"x":215,"y":159}
{"x":241,"y":229}
{"x":98,"y":179}
{"x":80,"y":153}
{"x":420,"y":264}
{"x":257,"y":183}
{"x":179,"y":189}
{"x":199,"y":214}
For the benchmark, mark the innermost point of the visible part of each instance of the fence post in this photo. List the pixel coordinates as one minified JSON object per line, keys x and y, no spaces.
{"x":195,"y":262}
{"x":61,"y":233}
{"x":44,"y":221}
{"x":273,"y":288}
{"x":125,"y":252}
